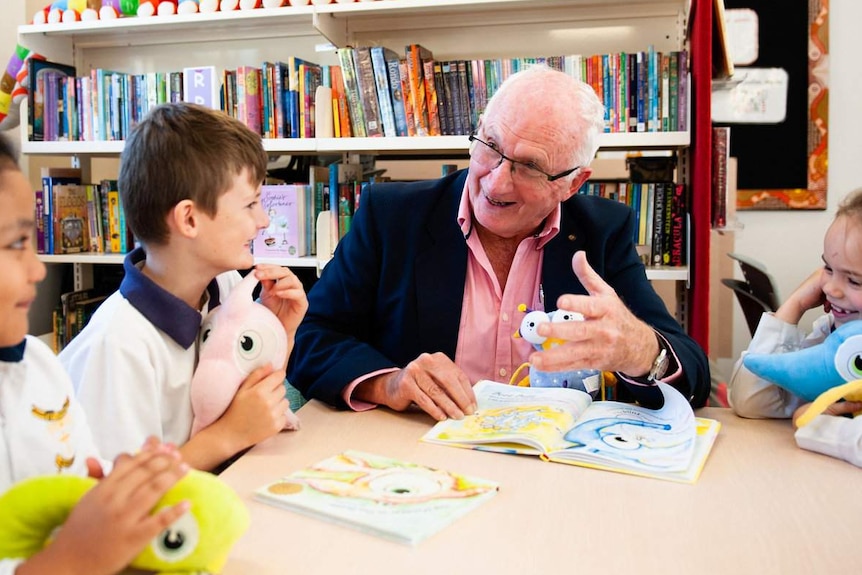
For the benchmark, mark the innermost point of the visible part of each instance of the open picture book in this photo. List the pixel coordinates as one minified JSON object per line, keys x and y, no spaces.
{"x":565,"y":425}
{"x":401,"y":501}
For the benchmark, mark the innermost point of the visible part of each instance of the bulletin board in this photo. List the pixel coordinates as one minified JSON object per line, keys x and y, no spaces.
{"x":783,"y":165}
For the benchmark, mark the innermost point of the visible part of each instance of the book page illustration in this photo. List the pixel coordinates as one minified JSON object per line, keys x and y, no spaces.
{"x":391,"y":498}
{"x":512,"y":417}
{"x":659,"y":440}
{"x":536,"y":425}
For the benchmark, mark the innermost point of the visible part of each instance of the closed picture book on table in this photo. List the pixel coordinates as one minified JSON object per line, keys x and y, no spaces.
{"x":397,"y":500}
{"x":564,"y":425}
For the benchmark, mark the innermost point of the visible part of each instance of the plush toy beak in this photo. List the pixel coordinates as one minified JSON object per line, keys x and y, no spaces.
{"x":805,"y":373}
{"x":811,"y":371}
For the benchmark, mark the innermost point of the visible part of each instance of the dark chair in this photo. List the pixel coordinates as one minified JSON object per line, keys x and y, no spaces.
{"x":756,"y":293}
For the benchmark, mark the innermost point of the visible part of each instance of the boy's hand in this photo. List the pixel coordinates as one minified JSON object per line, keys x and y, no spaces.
{"x":283,"y":294}
{"x":112,"y":523}
{"x":259,"y":409}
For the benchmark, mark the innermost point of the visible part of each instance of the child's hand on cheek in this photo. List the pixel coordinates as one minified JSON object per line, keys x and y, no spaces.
{"x":283,"y":295}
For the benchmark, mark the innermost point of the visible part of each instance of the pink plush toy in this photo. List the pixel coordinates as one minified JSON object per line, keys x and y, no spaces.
{"x":238,"y":336}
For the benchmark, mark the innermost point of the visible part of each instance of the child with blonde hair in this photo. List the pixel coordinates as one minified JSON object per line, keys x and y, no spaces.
{"x":837,"y":286}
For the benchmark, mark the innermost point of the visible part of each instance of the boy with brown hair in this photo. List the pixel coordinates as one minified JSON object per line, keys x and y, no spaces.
{"x":189,"y":182}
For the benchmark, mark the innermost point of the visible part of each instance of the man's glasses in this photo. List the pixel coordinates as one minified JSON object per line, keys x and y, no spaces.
{"x":490,"y":157}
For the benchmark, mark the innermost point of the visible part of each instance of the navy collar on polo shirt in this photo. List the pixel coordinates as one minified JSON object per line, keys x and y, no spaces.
{"x":13,"y":353}
{"x":164,"y":310}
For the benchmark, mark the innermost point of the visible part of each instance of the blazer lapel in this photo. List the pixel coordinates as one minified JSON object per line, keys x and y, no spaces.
{"x":441,"y":270}
{"x":557,"y":275}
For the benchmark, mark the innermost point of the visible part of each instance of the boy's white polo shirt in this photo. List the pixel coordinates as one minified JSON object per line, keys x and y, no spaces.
{"x":133,"y":364}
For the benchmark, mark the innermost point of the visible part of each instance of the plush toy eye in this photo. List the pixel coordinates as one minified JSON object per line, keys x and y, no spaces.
{"x":562,"y":315}
{"x":177,"y":541}
{"x":848,"y":358}
{"x":206,"y":330}
{"x":250,"y":344}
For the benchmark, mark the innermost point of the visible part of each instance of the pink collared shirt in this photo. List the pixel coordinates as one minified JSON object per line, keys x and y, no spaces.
{"x":486,"y":347}
{"x":489,"y":315}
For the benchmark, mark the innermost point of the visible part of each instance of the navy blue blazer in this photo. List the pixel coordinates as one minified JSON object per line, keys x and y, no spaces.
{"x":394,"y":287}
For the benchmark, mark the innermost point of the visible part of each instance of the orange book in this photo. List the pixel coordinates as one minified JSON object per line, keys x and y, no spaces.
{"x":431,"y":98}
{"x":341,"y":116}
{"x":416,"y":54}
{"x":407,"y":97}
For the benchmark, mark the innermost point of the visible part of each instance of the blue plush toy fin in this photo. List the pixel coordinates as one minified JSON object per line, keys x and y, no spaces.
{"x":811,"y":371}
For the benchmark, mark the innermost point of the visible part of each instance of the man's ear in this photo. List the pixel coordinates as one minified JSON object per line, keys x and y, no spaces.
{"x":582,"y":176}
{"x":183,"y":219}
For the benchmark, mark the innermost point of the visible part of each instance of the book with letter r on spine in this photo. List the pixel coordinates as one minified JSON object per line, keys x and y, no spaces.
{"x":397,"y":500}
{"x":564,"y":425}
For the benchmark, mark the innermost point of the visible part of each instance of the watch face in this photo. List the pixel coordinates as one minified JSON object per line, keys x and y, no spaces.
{"x":659,"y":366}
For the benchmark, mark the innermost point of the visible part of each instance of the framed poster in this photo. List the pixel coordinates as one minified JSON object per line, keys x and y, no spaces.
{"x":783,"y":153}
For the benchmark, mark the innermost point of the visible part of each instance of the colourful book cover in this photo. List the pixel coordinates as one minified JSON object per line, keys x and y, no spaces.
{"x":396,"y":92}
{"x":341,"y":114}
{"x":398,"y":500}
{"x":679,"y":226}
{"x":367,"y":90}
{"x":564,"y":425}
{"x":285,"y":234}
{"x":94,"y":219}
{"x":407,"y":97}
{"x":114,"y":224}
{"x":249,"y":100}
{"x":37,"y":69}
{"x":71,"y":230}
{"x":52,"y":176}
{"x":431,"y":102}
{"x":415,"y":55}
{"x":40,"y":221}
{"x":351,"y":92}
{"x":384,"y":94}
{"x":201,"y":86}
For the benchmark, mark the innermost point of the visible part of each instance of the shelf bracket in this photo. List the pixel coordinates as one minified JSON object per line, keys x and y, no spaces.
{"x":334,"y":29}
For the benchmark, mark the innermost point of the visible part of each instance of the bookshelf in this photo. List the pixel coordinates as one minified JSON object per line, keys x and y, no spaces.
{"x":451,"y":29}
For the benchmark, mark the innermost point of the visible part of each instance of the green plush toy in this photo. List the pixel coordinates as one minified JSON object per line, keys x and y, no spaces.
{"x":199,"y":541}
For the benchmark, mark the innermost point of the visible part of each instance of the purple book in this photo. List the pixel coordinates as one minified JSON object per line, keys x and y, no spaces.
{"x":201,"y":86}
{"x":285,"y":234}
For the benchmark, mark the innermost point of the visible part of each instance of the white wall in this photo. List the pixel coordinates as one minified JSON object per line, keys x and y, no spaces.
{"x":790,"y":243}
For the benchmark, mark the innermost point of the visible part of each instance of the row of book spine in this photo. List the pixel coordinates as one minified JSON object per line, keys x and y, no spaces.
{"x":661,"y":217}
{"x":73,"y":217}
{"x":373,"y":91}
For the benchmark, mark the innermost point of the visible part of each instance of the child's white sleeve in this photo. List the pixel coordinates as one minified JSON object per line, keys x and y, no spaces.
{"x":751,"y":396}
{"x":835,"y":436}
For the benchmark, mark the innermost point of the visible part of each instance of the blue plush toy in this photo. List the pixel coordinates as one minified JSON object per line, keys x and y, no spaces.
{"x":588,"y":380}
{"x":812,"y":371}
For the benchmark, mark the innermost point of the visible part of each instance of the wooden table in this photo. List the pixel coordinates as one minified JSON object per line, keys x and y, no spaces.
{"x":761,"y":505}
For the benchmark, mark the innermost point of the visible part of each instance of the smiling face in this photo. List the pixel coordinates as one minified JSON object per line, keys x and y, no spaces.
{"x":524,"y":124}
{"x":21,"y":268}
{"x":227,"y":236}
{"x":841,"y":280}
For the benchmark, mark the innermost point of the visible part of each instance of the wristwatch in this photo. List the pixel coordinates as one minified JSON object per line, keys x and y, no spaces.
{"x":659,"y":365}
